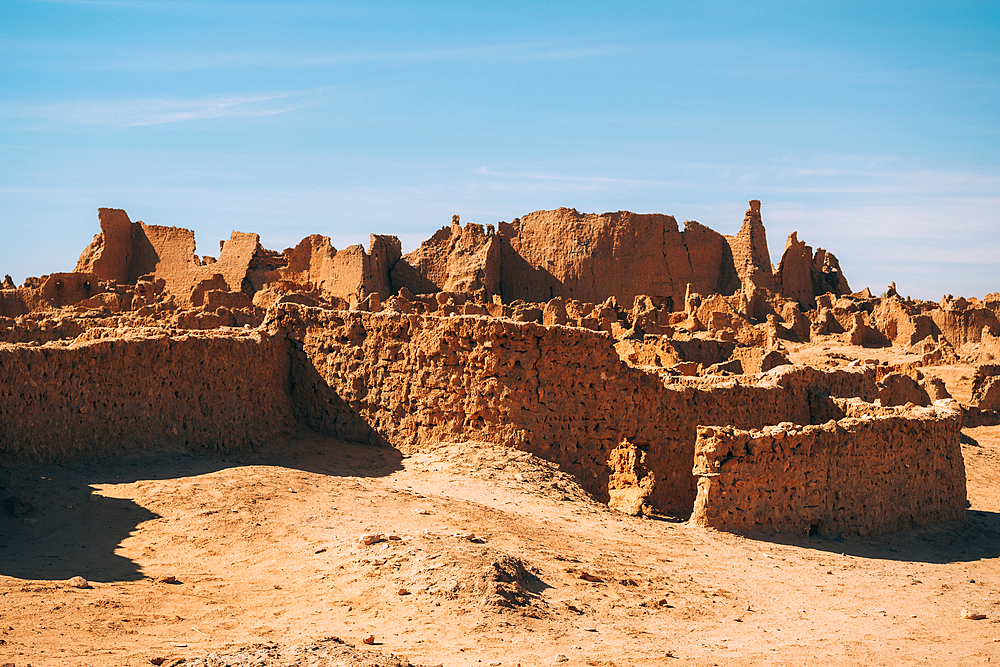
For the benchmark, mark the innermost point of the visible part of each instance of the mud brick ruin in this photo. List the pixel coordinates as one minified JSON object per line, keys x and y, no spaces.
{"x":648,"y":361}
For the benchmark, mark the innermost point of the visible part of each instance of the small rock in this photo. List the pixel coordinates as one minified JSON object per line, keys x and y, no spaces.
{"x":972,"y":616}
{"x":472,"y":537}
{"x":586,"y":576}
{"x":403,"y":591}
{"x":320,"y":550}
{"x":370,"y":639}
{"x":157,"y":661}
{"x":20,"y":506}
{"x":371,"y":538}
{"x":393,"y":538}
{"x":169,"y":579}
{"x":78,"y":582}
{"x":561,"y":658}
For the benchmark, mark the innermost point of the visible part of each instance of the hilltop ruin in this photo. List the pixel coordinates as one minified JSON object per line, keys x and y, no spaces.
{"x":619,"y":346}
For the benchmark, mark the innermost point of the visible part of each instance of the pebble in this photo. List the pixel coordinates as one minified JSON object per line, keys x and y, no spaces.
{"x":972,"y":616}
{"x":561,"y":658}
{"x":370,"y":639}
{"x":472,"y":537}
{"x":78,"y":582}
{"x":371,"y":538}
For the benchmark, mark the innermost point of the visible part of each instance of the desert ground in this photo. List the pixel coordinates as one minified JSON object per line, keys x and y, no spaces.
{"x":483,"y":556}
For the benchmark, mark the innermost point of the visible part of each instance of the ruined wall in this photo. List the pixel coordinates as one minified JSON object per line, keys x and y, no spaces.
{"x":803,"y":276}
{"x":541,"y":256}
{"x":749,"y":250}
{"x":124,"y":251}
{"x":901,"y":323}
{"x":787,"y":393}
{"x":794,"y":276}
{"x":963,"y":326}
{"x":454,"y":259}
{"x":854,"y":476}
{"x":562,"y":393}
{"x":409,"y":380}
{"x":591,"y":257}
{"x":558,"y":392}
{"x":151,"y":390}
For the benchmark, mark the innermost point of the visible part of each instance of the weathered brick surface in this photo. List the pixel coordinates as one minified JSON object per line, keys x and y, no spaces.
{"x":559,"y":392}
{"x":856,"y":476}
{"x":413,"y":380}
{"x":104,"y":396}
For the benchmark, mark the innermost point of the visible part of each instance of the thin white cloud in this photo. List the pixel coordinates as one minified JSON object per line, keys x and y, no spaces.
{"x":144,"y":112}
{"x":154,"y":61}
{"x":770,"y":180}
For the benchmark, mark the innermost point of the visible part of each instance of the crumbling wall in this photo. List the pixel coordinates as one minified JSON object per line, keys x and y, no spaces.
{"x":751,"y":258}
{"x":454,"y":259}
{"x":559,"y":392}
{"x":857,"y":476}
{"x":151,"y":390}
{"x":565,"y":253}
{"x":405,"y":379}
{"x":902,"y":323}
{"x":125,"y":251}
{"x":963,"y":326}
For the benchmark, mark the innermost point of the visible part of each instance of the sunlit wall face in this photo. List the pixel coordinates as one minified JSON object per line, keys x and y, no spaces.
{"x":869,"y":129}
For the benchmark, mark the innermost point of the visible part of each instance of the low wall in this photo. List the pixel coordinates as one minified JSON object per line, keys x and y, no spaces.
{"x":104,"y":396}
{"x":559,"y":392}
{"x":562,"y":393}
{"x":410,"y":380}
{"x":854,"y":476}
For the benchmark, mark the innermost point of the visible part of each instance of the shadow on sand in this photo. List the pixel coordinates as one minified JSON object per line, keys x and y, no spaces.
{"x":975,"y":539}
{"x":55,"y":525}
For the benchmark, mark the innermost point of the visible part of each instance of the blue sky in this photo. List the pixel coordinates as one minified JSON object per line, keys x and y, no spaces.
{"x":872,"y":129}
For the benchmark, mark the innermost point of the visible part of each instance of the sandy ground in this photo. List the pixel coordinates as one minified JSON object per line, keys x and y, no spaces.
{"x":501,"y":560}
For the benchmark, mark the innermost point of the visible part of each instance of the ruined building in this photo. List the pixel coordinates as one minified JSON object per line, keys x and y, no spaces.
{"x":648,"y":361}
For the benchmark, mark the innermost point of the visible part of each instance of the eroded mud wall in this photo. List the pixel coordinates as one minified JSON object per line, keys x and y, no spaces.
{"x":559,"y":392}
{"x":854,"y":476}
{"x":410,"y":381}
{"x":110,"y":395}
